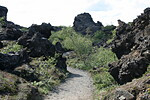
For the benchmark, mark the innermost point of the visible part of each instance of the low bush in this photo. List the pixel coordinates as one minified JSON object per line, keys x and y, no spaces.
{"x":98,"y":57}
{"x":107,"y":33}
{"x":48,"y":75}
{"x":11,"y":47}
{"x":2,"y":20}
{"x":102,"y":79}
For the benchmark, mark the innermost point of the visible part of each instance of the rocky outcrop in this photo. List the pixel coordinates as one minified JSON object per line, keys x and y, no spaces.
{"x":9,"y":31}
{"x":57,"y":28}
{"x":44,"y":29}
{"x":36,"y":41}
{"x":132,"y":47}
{"x":13,"y":87}
{"x":3,"y":12}
{"x":129,"y":67}
{"x":124,"y":40}
{"x":37,"y":45}
{"x":61,"y":63}
{"x":138,"y":89}
{"x":83,"y":23}
{"x":59,"y":48}
{"x":11,"y":61}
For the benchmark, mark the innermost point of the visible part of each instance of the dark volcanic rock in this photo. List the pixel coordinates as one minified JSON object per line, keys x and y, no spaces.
{"x":37,"y":45}
{"x":132,"y":46}
{"x":3,"y":12}
{"x":129,"y":67}
{"x":61,"y":63}
{"x":11,"y":61}
{"x":10,"y":31}
{"x":84,"y":24}
{"x":135,"y":90}
{"x":124,"y":41}
{"x":27,"y":72}
{"x":36,"y":40}
{"x":59,"y":48}
{"x":57,"y":28}
{"x":45,"y":29}
{"x":1,"y":45}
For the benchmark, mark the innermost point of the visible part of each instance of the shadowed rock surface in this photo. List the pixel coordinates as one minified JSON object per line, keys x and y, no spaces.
{"x":132,"y":46}
{"x":38,"y":45}
{"x":1,"y":45}
{"x":9,"y":31}
{"x":36,"y":40}
{"x":12,"y":60}
{"x":44,"y":29}
{"x":3,"y":12}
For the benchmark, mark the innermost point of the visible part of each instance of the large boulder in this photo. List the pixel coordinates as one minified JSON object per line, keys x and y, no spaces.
{"x":84,"y":24}
{"x":36,"y":40}
{"x":132,"y":47}
{"x":3,"y":12}
{"x":124,"y":39}
{"x":59,"y":48}
{"x":11,"y":61}
{"x":129,"y":67}
{"x":45,"y":29}
{"x":9,"y":31}
{"x":61,"y":63}
{"x":138,"y":89}
{"x":37,"y":45}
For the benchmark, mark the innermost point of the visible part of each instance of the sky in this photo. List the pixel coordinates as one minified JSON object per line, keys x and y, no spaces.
{"x":63,"y":12}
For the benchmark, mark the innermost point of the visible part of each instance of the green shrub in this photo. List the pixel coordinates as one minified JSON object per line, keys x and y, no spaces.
{"x":47,"y":73}
{"x":103,"y":35}
{"x":71,"y":40}
{"x":2,"y":20}
{"x":99,"y":36}
{"x":7,"y":86}
{"x":11,"y":47}
{"x":98,"y":57}
{"x":112,"y":37}
{"x":102,"y":57}
{"x":102,"y":79}
{"x":79,"y":44}
{"x":61,"y":35}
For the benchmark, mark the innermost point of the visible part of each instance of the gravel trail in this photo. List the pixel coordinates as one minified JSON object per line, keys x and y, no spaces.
{"x":78,"y":86}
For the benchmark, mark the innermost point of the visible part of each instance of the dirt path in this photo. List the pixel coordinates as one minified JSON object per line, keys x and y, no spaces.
{"x":77,"y":87}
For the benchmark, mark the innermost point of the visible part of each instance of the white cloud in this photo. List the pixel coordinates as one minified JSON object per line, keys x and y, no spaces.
{"x":62,"y":12}
{"x":126,"y":10}
{"x":57,"y":12}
